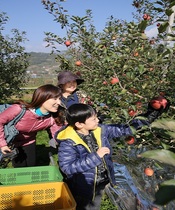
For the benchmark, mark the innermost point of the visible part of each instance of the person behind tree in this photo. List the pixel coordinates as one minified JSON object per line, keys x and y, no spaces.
{"x":42,"y":113}
{"x":85,"y":154}
{"x":69,"y":82}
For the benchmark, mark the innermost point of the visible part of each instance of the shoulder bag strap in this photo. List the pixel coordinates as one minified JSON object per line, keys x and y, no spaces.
{"x":18,"y":117}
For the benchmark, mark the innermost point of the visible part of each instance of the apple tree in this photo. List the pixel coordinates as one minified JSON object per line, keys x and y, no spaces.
{"x":143,"y":66}
{"x":13,"y":61}
{"x":123,"y":68}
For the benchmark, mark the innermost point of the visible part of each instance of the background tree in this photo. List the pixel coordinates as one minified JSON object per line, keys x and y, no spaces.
{"x":13,"y":61}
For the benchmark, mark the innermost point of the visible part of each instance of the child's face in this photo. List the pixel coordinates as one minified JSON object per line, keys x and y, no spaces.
{"x":91,"y":123}
{"x":69,"y":87}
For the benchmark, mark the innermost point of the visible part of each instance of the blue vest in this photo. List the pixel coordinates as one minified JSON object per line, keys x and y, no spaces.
{"x":72,"y":99}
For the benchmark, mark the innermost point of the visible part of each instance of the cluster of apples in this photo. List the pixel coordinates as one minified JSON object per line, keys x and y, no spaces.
{"x":158,"y":102}
{"x":146,"y":17}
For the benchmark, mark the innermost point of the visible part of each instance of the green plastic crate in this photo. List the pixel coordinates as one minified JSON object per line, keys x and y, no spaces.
{"x":13,"y":176}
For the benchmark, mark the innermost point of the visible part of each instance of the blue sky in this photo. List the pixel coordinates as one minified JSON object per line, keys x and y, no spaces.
{"x":30,"y":16}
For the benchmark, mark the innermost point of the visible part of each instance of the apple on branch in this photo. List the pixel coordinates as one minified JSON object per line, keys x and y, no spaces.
{"x":67,"y":43}
{"x":132,"y":112}
{"x":158,"y":102}
{"x":149,"y":171}
{"x":114,"y":80}
{"x":78,"y":63}
{"x":130,"y":140}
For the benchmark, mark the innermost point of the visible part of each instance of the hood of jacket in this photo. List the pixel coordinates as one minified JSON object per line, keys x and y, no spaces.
{"x":70,"y":133}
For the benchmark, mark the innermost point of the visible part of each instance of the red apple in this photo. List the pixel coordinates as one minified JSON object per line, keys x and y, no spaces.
{"x":136,"y":54}
{"x":164,"y":102}
{"x":78,"y":63}
{"x":148,"y":17}
{"x":130,"y":140}
{"x":155,"y":208}
{"x":152,"y":41}
{"x":145,"y":16}
{"x":139,"y":104}
{"x":158,"y":101}
{"x":105,"y":83}
{"x":149,"y":171}
{"x":155,"y":104}
{"x":114,"y":80}
{"x":131,"y":112}
{"x":67,"y":43}
{"x":78,"y":73}
{"x":133,"y":90}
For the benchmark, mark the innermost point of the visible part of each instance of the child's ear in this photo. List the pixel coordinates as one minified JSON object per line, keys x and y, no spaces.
{"x":79,"y":125}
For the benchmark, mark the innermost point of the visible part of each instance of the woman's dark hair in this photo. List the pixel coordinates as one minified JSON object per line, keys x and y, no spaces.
{"x":79,"y":113}
{"x":42,"y":94}
{"x":59,"y":116}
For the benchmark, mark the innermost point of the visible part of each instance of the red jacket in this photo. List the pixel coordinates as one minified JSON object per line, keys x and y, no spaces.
{"x":28,"y":126}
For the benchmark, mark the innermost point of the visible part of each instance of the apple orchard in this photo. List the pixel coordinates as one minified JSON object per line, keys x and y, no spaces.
{"x":121,"y":65}
{"x":123,"y":68}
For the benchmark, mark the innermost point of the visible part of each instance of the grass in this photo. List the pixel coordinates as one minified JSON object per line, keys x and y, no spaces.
{"x":43,"y":149}
{"x":106,"y":204}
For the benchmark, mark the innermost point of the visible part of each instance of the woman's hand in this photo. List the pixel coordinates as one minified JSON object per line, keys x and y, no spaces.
{"x":103,"y":151}
{"x":5,"y":150}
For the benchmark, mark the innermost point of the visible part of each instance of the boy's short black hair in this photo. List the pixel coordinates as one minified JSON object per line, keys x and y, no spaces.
{"x":79,"y":113}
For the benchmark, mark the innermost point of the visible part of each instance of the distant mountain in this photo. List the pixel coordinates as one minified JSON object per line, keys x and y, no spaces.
{"x":41,"y":58}
{"x":42,"y":64}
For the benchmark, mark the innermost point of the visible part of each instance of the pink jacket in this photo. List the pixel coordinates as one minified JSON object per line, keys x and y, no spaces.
{"x":28,"y":126}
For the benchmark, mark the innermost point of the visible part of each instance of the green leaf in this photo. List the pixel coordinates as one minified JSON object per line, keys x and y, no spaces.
{"x":171,"y":134}
{"x":170,"y":182}
{"x":164,"y":123}
{"x":172,"y":4}
{"x":142,"y":25}
{"x":144,"y":85}
{"x":163,"y":27}
{"x":123,"y":92}
{"x":165,"y":146}
{"x":133,"y":130}
{"x":165,"y":194}
{"x":168,"y":12}
{"x":159,"y":2}
{"x":163,"y":155}
{"x":141,"y":69}
{"x":144,"y":36}
{"x":125,"y":113}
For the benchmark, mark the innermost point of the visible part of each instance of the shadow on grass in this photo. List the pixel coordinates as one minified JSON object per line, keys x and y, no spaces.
{"x":42,"y":154}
